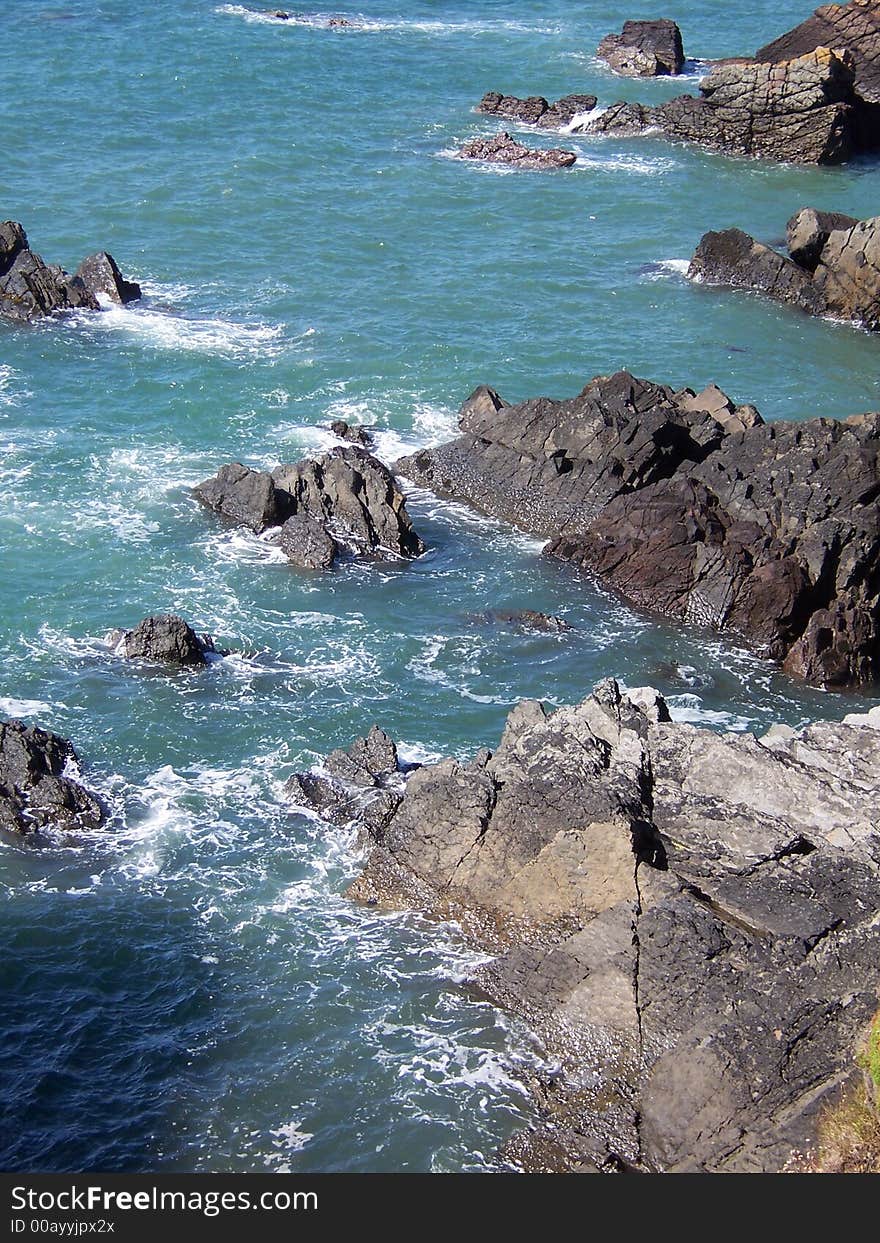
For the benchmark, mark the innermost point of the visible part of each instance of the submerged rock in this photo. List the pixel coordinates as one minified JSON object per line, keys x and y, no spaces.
{"x":31,"y":288}
{"x":354,"y":435}
{"x":502,"y":149}
{"x":536,"y":110}
{"x":687,"y":919}
{"x":646,"y":49}
{"x":690,"y":506}
{"x":344,"y":499}
{"x":834,"y":269}
{"x":165,"y":638}
{"x":35,"y":792}
{"x":522,"y":619}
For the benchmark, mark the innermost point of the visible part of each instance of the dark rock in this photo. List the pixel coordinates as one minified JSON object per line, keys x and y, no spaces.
{"x":35,"y":792}
{"x":364,"y":782}
{"x":166,"y":638}
{"x":854,"y":27}
{"x":246,"y":496}
{"x":100,"y":275}
{"x":687,"y":919}
{"x":808,"y":231}
{"x":31,"y":288}
{"x":691,"y":506}
{"x":502,"y":149}
{"x":644,"y":49}
{"x":846,"y":280}
{"x":733,"y":258}
{"x":522,"y":619}
{"x":354,"y":435}
{"x":344,"y":499}
{"x":306,"y":542}
{"x":536,"y":110}
{"x":804,"y":111}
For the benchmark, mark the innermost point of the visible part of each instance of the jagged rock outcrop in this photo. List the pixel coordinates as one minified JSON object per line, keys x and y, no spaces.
{"x":353,"y":434}
{"x":502,"y":149}
{"x":644,"y":49}
{"x":36,"y":791}
{"x":854,"y":26}
{"x":166,"y":639}
{"x":802,"y":111}
{"x":807,"y":232}
{"x":31,"y":288}
{"x":691,"y":506}
{"x":345,"y":499}
{"x":536,"y":110}
{"x":687,"y":919}
{"x":834,"y":267}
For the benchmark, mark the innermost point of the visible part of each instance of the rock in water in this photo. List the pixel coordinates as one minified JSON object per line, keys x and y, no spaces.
{"x":344,"y":499}
{"x":31,"y":288}
{"x":354,"y":435}
{"x":166,"y":638}
{"x":687,"y":919}
{"x":691,"y":506}
{"x":644,"y":49}
{"x":836,"y":272}
{"x":803,"y":111}
{"x":536,"y":110}
{"x":502,"y":149}
{"x":733,"y":258}
{"x":808,"y":231}
{"x":854,"y":27}
{"x":35,"y":793}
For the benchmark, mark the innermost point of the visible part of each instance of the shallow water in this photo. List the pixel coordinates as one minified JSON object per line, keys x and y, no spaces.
{"x":191,"y":990}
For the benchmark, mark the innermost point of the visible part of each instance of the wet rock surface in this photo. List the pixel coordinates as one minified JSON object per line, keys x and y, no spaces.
{"x":536,"y":110}
{"x":644,"y":49}
{"x":36,"y":792}
{"x":345,"y":499}
{"x":30,"y":288}
{"x":502,"y":149}
{"x":166,"y":639}
{"x":693,"y":507}
{"x":834,"y":268}
{"x":687,"y":919}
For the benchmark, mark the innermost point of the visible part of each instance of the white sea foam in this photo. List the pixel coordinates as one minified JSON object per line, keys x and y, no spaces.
{"x":170,"y":331}
{"x":689,"y":708}
{"x":11,"y":393}
{"x":242,"y":547}
{"x":12,"y":707}
{"x":619,"y":162}
{"x":364,"y":25}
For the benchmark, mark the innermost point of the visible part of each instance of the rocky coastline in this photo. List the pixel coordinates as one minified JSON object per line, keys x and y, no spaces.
{"x":687,"y":919}
{"x":692,"y":507}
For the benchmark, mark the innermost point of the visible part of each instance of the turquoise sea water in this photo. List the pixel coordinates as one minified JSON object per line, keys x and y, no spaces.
{"x":190,"y":990}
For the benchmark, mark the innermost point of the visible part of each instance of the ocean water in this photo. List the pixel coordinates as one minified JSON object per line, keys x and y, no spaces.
{"x":190,"y":990}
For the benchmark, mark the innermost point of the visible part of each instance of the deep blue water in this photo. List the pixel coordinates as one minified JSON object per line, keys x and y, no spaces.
{"x":191,"y":990}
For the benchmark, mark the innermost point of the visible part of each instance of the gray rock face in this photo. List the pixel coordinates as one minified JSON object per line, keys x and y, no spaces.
{"x":167,"y":639}
{"x":691,"y":506}
{"x":31,"y":288}
{"x":536,"y":110}
{"x":344,"y":499}
{"x":834,"y":269}
{"x":854,"y":26}
{"x":35,"y":793}
{"x":646,"y":49}
{"x":354,"y":435}
{"x":808,"y":231}
{"x":688,"y":919}
{"x":802,"y":111}
{"x":502,"y":149}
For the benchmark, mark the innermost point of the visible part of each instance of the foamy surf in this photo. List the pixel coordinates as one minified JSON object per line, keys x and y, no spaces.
{"x":167,"y":330}
{"x":358,"y":23}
